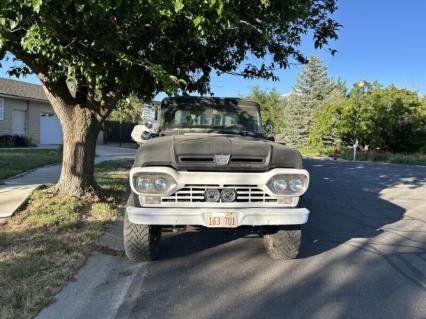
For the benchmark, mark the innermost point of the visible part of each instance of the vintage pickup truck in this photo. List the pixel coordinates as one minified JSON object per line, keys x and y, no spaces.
{"x":209,"y":164}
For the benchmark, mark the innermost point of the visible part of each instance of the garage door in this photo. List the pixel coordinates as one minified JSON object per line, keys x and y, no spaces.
{"x":50,"y":129}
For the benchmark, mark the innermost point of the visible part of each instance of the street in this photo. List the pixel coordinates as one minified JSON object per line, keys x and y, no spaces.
{"x":363,"y":256}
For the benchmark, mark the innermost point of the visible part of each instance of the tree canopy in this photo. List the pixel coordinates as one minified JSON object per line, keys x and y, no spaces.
{"x":390,"y":119}
{"x":109,"y":47}
{"x":89,"y":53}
{"x":313,"y":87}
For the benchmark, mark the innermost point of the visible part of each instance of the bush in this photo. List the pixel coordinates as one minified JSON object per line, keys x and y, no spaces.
{"x":390,"y":119}
{"x":15,"y":141}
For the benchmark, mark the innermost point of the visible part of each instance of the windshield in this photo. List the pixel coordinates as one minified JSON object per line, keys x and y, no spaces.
{"x":222,"y":118}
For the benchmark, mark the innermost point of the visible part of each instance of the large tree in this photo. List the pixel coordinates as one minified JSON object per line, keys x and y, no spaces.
{"x":390,"y":119}
{"x":313,"y":87}
{"x":89,"y":53}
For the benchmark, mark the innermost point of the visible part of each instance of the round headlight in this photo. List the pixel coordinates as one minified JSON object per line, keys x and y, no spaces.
{"x":295,"y":185}
{"x":212,"y":195}
{"x":143,"y":184}
{"x":228,"y":195}
{"x":160,"y":184}
{"x":279,"y":185}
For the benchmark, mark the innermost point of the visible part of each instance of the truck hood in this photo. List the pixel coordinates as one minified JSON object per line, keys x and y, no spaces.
{"x":216,"y":152}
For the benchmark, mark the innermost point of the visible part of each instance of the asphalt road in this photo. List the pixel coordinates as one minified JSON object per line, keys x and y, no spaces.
{"x":363,"y":256}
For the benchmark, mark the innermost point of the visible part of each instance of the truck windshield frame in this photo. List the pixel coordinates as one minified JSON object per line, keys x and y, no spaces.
{"x":211,"y":117}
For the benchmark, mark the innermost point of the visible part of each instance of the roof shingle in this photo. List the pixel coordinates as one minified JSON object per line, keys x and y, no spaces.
{"x":22,"y":89}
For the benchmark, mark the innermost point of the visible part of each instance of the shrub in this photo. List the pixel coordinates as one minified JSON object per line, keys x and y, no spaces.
{"x":15,"y":141}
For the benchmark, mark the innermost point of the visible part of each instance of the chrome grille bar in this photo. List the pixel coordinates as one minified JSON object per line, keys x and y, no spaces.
{"x":195,"y":193}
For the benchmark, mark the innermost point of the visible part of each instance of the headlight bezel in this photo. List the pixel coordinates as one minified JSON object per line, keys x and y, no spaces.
{"x":153,"y":177}
{"x":287,"y":178}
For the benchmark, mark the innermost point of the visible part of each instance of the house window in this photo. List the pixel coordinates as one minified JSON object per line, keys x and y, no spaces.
{"x":1,"y":109}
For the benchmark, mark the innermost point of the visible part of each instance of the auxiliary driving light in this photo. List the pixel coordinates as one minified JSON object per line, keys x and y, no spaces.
{"x":228,"y":195}
{"x":212,"y":195}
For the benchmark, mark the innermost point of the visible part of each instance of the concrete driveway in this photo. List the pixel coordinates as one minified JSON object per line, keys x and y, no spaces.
{"x":363,"y":256}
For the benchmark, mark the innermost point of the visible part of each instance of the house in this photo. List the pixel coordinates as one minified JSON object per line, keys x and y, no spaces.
{"x":25,"y":110}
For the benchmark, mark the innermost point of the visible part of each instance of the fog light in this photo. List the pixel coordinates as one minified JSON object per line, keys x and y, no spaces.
{"x":212,"y":195}
{"x":228,"y":195}
{"x":287,"y":200}
{"x":151,"y":200}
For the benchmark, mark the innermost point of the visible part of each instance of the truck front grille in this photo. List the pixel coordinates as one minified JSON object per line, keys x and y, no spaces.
{"x":195,"y":194}
{"x":233,"y":160}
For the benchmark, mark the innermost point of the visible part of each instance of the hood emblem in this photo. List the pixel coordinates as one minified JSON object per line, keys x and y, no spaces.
{"x":222,"y":159}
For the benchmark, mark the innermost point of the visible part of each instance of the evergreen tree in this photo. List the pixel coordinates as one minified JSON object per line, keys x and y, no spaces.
{"x":313,"y":86}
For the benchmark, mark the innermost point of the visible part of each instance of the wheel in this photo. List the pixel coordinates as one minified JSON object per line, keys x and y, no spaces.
{"x":283,"y":242}
{"x":141,"y":242}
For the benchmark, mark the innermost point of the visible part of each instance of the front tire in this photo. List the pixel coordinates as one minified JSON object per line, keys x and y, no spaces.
{"x":141,"y":242}
{"x":283,"y":242}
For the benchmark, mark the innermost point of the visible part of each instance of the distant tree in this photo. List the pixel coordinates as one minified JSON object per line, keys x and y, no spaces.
{"x":313,"y":86}
{"x":271,"y":106}
{"x":313,"y":83}
{"x":390,"y":119}
{"x":340,"y":89}
{"x":89,"y":54}
{"x":394,"y":119}
{"x":128,"y":109}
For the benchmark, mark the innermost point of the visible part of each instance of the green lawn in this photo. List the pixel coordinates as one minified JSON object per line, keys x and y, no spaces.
{"x":13,"y":162}
{"x":43,"y":246}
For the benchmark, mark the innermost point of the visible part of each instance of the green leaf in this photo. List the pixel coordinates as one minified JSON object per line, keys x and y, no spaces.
{"x":178,"y":5}
{"x":219,"y":9}
{"x":198,"y":20}
{"x":36,"y":5}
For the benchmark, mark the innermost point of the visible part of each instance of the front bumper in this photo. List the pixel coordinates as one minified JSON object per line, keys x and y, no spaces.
{"x":198,"y":216}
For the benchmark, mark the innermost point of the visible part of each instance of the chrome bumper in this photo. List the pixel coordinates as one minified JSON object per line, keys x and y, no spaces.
{"x":198,"y":216}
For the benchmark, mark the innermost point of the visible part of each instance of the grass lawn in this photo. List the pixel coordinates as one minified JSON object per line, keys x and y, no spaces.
{"x":43,"y":246}
{"x":13,"y":162}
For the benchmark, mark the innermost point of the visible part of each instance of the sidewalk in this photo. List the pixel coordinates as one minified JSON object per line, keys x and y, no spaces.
{"x":16,"y":191}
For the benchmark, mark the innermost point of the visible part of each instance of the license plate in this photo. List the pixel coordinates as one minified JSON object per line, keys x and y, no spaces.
{"x":221,"y":220}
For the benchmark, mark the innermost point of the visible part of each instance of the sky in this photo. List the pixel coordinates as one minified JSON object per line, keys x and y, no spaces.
{"x":381,"y":40}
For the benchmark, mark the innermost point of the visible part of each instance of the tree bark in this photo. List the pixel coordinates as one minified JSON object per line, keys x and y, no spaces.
{"x":80,"y":127}
{"x":77,"y":174}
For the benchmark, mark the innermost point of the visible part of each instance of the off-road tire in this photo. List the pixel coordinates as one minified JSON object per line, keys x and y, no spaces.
{"x":283,"y":242}
{"x":141,"y":242}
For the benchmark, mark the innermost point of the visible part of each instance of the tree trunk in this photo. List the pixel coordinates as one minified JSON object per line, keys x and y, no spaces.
{"x":80,"y":134}
{"x":80,"y":127}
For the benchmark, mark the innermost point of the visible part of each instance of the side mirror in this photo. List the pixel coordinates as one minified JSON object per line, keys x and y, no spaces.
{"x":146,"y":135}
{"x":141,"y":133}
{"x":268,"y":128}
